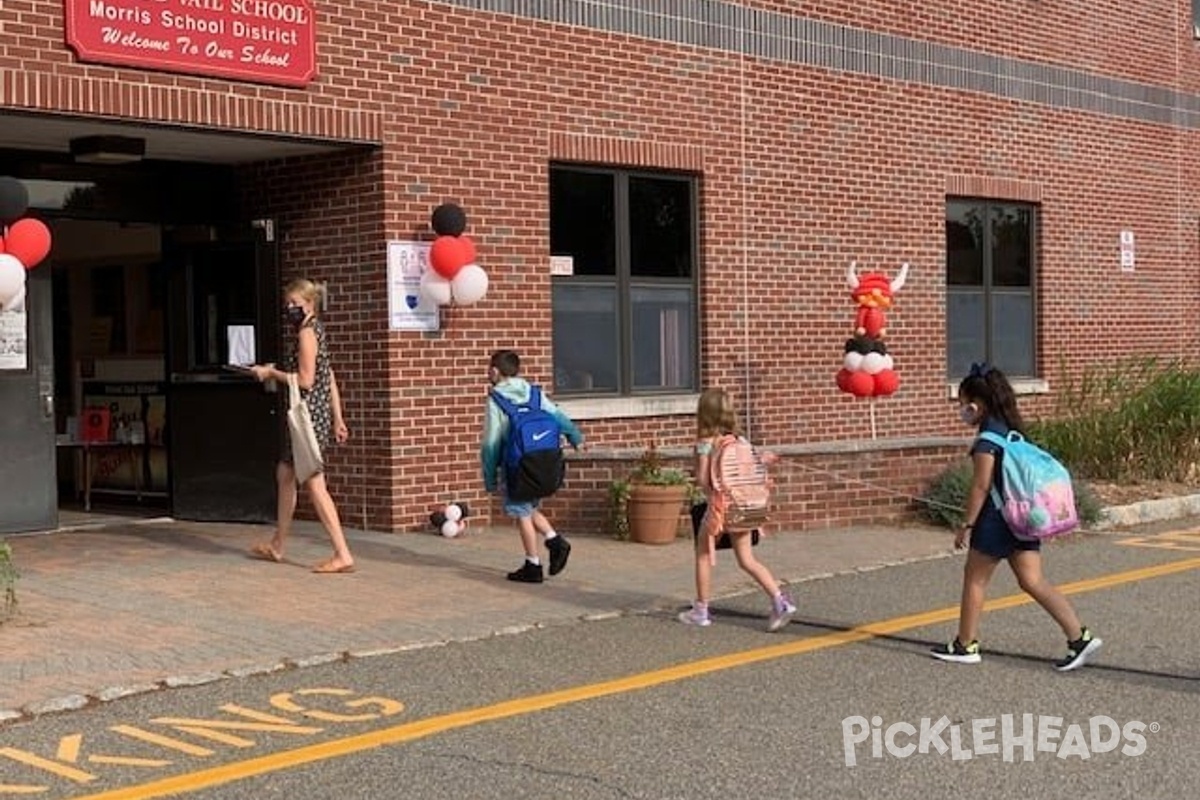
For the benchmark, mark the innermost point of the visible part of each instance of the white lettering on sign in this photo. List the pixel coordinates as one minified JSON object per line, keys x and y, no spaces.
{"x":251,"y":55}
{"x":133,"y":40}
{"x":272,"y":10}
{"x":103,"y":10}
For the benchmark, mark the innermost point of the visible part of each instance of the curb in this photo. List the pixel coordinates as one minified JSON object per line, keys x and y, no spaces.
{"x":1140,"y":513}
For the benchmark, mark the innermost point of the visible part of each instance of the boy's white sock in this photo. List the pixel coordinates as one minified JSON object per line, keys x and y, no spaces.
{"x":537,"y":562}
{"x":550,"y":534}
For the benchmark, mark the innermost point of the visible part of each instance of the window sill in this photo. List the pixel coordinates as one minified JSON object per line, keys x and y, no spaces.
{"x":1021,"y":386}
{"x":584,"y":408}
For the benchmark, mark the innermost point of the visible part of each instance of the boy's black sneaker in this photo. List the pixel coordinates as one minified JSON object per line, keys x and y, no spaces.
{"x":957,"y":652}
{"x":1079,"y":652}
{"x":528,"y":573}
{"x":560,"y":551}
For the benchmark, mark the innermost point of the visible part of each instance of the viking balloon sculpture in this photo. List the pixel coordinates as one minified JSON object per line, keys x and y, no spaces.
{"x":867,"y":369}
{"x":453,"y":276}
{"x":24,"y":243}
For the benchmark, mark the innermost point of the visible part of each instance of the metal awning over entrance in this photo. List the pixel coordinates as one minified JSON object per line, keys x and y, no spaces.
{"x":53,"y":133}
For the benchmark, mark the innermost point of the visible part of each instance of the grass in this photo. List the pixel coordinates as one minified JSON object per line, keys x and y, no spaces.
{"x":1134,"y":421}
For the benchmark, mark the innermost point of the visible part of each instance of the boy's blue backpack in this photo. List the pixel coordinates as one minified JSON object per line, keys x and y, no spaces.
{"x":1039,"y":498}
{"x":533,"y":459}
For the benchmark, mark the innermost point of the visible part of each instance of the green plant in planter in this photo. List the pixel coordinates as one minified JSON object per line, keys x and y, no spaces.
{"x":649,"y":471}
{"x":8,"y":581}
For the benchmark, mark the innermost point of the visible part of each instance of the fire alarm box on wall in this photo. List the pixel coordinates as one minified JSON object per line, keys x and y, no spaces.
{"x":94,"y":424}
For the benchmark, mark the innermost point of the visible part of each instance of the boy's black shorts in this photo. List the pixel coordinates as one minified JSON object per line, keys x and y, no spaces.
{"x":722,"y":543}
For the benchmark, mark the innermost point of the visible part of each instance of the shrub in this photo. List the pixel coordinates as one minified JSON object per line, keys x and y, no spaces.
{"x":944,"y":502}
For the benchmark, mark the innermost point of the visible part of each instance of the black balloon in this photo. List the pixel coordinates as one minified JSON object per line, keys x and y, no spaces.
{"x":14,"y":199}
{"x":448,"y":220}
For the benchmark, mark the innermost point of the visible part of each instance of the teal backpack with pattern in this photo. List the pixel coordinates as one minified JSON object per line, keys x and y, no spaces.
{"x":1038,"y":501}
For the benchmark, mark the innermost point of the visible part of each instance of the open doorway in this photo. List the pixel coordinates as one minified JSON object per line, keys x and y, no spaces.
{"x":110,"y":393}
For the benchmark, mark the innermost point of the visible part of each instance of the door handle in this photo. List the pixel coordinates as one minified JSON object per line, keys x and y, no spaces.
{"x":48,"y":406}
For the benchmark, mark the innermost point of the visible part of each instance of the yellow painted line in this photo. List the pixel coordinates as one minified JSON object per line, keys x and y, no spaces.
{"x":407,"y":732}
{"x":1175,"y":540}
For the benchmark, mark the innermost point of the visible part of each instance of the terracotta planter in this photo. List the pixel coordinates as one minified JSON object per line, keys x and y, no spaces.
{"x":653,"y":513}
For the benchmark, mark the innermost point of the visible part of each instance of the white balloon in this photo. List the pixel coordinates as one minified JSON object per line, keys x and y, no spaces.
{"x":853,"y":361}
{"x":450,"y":529}
{"x":470,"y":285}
{"x":888,"y":363}
{"x":12,"y":278}
{"x":872,"y":363}
{"x":435,"y":288}
{"x":453,"y":512}
{"x":17,"y":303}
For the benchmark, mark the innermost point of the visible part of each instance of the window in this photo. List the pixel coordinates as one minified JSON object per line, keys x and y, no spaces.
{"x":989,"y":286}
{"x":625,"y":315}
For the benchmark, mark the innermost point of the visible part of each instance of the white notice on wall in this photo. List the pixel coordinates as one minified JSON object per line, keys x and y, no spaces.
{"x":241,"y":345}
{"x":1127,"y":251}
{"x":562,"y":265}
{"x":14,"y":340}
{"x":408,"y":308}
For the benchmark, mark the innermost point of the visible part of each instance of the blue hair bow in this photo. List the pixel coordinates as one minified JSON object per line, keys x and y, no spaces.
{"x":980,"y":369}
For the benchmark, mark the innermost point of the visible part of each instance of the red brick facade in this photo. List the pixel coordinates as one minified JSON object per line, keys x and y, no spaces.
{"x":839,"y":138}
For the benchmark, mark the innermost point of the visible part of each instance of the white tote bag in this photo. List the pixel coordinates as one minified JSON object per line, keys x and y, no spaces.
{"x":306,"y":451}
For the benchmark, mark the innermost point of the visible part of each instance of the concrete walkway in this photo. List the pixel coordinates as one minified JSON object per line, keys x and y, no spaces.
{"x":137,"y":606}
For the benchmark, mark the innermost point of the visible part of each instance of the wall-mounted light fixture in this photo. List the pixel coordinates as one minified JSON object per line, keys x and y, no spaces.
{"x":108,"y":149}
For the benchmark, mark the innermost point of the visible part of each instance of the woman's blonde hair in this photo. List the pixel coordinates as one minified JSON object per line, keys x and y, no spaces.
{"x":314,"y":293}
{"x":715,"y":414}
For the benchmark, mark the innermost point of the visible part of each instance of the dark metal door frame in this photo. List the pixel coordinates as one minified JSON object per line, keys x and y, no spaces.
{"x":28,"y":458}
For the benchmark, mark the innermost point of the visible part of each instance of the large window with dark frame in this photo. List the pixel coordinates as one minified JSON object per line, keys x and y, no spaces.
{"x":624,"y":295}
{"x":990,"y":257}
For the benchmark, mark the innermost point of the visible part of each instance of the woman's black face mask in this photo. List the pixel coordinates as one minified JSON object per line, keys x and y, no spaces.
{"x":295,"y":314}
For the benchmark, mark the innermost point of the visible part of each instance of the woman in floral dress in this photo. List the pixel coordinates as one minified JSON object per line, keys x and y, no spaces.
{"x":308,"y":358}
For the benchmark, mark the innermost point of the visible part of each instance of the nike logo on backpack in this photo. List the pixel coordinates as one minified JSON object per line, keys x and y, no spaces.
{"x":537,"y":437}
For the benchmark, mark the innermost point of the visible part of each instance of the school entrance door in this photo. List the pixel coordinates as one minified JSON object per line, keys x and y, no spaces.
{"x":223,"y":426}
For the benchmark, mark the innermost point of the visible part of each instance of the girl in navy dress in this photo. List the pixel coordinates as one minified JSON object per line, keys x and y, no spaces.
{"x":987,"y":403}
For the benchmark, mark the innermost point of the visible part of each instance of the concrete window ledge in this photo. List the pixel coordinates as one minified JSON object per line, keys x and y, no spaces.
{"x":584,"y":408}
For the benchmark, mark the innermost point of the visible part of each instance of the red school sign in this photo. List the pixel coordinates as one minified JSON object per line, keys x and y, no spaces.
{"x":263,"y":41}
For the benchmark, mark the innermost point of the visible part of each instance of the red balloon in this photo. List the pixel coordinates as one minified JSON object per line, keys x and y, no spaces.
{"x":843,"y":378}
{"x":469,"y":249}
{"x":448,"y":255}
{"x":860,"y":384}
{"x":886,"y":383}
{"x":28,"y":241}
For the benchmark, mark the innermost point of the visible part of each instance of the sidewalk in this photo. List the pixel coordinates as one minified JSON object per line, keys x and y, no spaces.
{"x":143,"y":605}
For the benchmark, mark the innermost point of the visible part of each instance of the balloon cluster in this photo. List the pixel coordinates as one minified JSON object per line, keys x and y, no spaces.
{"x":453,"y":276}
{"x":24,"y":243}
{"x":450,"y":520}
{"x":867,"y":369}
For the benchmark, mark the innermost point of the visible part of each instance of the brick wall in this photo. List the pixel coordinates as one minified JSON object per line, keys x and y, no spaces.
{"x":808,"y":159}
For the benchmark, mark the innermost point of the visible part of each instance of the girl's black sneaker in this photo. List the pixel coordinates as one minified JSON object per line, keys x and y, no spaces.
{"x":959,"y":653}
{"x":1079,"y":652}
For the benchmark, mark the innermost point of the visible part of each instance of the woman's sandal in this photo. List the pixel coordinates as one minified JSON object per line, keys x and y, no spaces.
{"x":265,"y":552}
{"x":329,"y":569}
